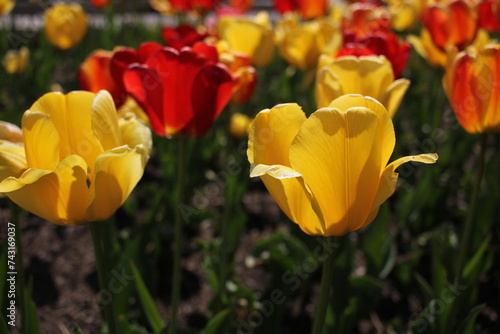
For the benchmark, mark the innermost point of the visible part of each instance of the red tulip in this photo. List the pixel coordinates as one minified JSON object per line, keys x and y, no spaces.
{"x":100,"y":3}
{"x":378,"y":43}
{"x":182,"y":92}
{"x":307,"y":8}
{"x":181,"y":36}
{"x":125,"y":57}
{"x":487,"y":18}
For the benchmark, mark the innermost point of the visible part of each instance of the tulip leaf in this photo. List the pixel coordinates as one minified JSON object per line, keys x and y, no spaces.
{"x":31,"y":310}
{"x":215,"y":325}
{"x":478,"y":263}
{"x":150,"y":309}
{"x":467,"y":326}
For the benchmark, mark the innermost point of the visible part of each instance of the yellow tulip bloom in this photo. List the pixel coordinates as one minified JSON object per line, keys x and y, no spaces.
{"x":328,"y":172}
{"x":12,"y":160}
{"x":65,"y":24}
{"x":81,"y":161}
{"x":252,"y":37}
{"x":16,"y":61}
{"x":366,"y":75}
{"x":301,"y":44}
{"x":6,"y":6}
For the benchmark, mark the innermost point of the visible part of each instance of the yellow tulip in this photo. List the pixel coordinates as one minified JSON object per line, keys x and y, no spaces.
{"x":405,"y":13}
{"x":6,"y":6}
{"x":65,"y":24}
{"x":366,"y":75}
{"x":328,"y":172}
{"x":12,"y":160}
{"x":16,"y":61}
{"x":239,"y":125}
{"x":301,"y":44}
{"x":252,"y":37}
{"x":81,"y":160}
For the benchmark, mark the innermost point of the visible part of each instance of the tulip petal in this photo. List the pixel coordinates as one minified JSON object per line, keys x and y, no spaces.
{"x":272,"y":132}
{"x":357,"y":74}
{"x":386,"y":135}
{"x":135,"y":132}
{"x":117,"y":173}
{"x":394,"y":94}
{"x":145,"y":86}
{"x":10,"y":132}
{"x":41,"y":141}
{"x":105,"y":121}
{"x":328,"y":87}
{"x":57,"y":196}
{"x":12,"y":159}
{"x":212,"y":89}
{"x":71,"y":112}
{"x":288,"y":189}
{"x":341,"y":156}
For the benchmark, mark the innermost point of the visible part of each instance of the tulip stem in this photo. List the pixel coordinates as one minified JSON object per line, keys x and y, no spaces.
{"x":95,"y":230}
{"x":176,"y":279}
{"x":14,"y":210}
{"x":326,"y":284}
{"x":469,"y":222}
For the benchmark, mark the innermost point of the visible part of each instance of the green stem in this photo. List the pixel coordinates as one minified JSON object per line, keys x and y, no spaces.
{"x":469,"y":223}
{"x":14,"y":210}
{"x":176,"y":279}
{"x":102,"y":269}
{"x":324,"y":291}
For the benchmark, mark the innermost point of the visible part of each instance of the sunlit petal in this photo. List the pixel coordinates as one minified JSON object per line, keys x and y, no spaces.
{"x":60,"y":194}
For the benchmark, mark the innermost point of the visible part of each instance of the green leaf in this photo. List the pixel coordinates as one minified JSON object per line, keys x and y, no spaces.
{"x":215,"y":325}
{"x":477,"y":264}
{"x":424,"y":286}
{"x":147,"y":301}
{"x":467,"y":326}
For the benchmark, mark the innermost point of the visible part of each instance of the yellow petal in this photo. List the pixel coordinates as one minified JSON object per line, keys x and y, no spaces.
{"x":386,"y":136}
{"x":394,"y":94}
{"x":368,"y":76}
{"x":134,"y":132}
{"x":272,"y":132}
{"x":287,"y":188}
{"x":12,"y":159}
{"x":71,"y":115}
{"x":341,"y":155}
{"x":328,"y":87}
{"x":105,"y":121}
{"x":58,"y":196}
{"x":116,"y":174}
{"x":41,"y":141}
{"x":10,"y":132}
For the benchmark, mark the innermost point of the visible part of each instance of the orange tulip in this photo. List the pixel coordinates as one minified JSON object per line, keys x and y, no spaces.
{"x":95,"y":75}
{"x":472,"y":84}
{"x":452,"y":23}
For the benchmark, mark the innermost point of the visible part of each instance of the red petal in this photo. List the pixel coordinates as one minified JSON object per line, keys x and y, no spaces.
{"x":145,"y":86}
{"x":212,"y":90}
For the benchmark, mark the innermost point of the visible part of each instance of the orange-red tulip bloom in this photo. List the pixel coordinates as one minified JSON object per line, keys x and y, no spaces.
{"x":182,"y":92}
{"x":94,"y":75}
{"x":472,"y":84}
{"x":181,"y":36}
{"x":451,"y":24}
{"x":308,"y":9}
